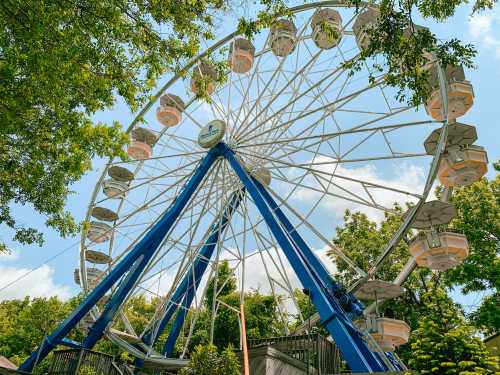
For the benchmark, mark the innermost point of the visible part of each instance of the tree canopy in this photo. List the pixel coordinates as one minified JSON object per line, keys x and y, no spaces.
{"x":62,"y":61}
{"x":206,"y":360}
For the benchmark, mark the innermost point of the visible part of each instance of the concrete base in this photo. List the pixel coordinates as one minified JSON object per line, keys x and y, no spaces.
{"x":269,"y":361}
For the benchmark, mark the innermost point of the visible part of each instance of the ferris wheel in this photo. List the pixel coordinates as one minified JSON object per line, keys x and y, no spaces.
{"x":258,"y":176}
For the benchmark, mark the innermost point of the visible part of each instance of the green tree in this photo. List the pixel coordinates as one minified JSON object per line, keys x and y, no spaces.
{"x":62,"y":61}
{"x":363,"y":240}
{"x":478,"y":218}
{"x":224,"y":283}
{"x":403,"y":45}
{"x":24,"y":324}
{"x":443,"y":343}
{"x":261,"y":314}
{"x":487,"y":316}
{"x":206,"y":360}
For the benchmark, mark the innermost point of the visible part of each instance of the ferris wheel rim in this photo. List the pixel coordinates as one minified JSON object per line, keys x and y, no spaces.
{"x":403,"y":228}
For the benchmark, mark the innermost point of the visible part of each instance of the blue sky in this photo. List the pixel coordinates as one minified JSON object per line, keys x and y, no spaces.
{"x":56,"y":276}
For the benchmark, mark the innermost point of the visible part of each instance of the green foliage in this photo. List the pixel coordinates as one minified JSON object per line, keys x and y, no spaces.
{"x":261,"y":313}
{"x":487,"y":316}
{"x":444,"y":344}
{"x":402,"y":44}
{"x":206,"y":360}
{"x":224,"y":284}
{"x":442,"y":341}
{"x":478,"y":218}
{"x":24,"y":324}
{"x":62,"y":61}
{"x":363,"y":240}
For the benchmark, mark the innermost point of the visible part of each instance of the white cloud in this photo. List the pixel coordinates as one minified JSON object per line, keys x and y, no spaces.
{"x":407,"y":178}
{"x":483,"y":28}
{"x":39,"y":283}
{"x":9,"y":256}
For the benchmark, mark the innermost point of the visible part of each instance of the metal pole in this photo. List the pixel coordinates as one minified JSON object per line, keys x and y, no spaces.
{"x":246,"y":365}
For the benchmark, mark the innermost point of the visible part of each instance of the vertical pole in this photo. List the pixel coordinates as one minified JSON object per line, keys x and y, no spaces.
{"x":149,"y":243}
{"x":246,"y":365}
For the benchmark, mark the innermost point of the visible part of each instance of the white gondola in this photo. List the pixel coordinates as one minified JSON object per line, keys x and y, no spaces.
{"x":283,"y":37}
{"x":99,"y":232}
{"x":433,"y":214}
{"x":94,"y":276}
{"x":463,"y":166}
{"x":120,"y":174}
{"x":241,"y":54}
{"x":104,"y":214}
{"x":203,"y":79}
{"x":460,"y":93}
{"x":439,"y":251}
{"x":388,"y":333}
{"x":97,"y":257}
{"x":114,"y":189}
{"x":169,"y":113}
{"x":326,"y":24}
{"x":379,"y":289}
{"x":142,"y":143}
{"x":263,"y":175}
{"x":365,"y":21}
{"x":462,"y":163}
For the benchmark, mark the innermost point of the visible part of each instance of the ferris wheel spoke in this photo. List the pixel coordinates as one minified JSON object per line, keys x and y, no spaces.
{"x":336,"y":74}
{"x":354,"y":130}
{"x":304,"y":221}
{"x":275,"y":96}
{"x":279,"y":267}
{"x":119,"y":256}
{"x":275,"y":74}
{"x":324,"y":108}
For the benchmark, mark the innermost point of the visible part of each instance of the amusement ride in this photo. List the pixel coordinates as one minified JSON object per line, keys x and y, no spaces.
{"x":253,"y":176}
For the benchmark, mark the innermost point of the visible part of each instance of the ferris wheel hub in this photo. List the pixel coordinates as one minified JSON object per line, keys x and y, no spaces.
{"x":212,"y":133}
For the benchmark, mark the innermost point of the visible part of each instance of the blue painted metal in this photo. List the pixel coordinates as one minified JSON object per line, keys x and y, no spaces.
{"x":330,"y":299}
{"x":354,"y":350}
{"x":199,"y":269}
{"x":148,"y":244}
{"x":71,"y":343}
{"x":98,"y":328}
{"x":348,"y":302}
{"x":185,"y":292}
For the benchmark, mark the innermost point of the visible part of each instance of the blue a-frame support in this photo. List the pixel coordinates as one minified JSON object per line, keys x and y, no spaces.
{"x":332,"y":303}
{"x":144,"y":249}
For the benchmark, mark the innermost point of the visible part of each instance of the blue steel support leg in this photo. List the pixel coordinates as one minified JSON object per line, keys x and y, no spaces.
{"x":308,"y":254}
{"x":168,"y":347}
{"x":148,"y":243}
{"x":97,"y":330}
{"x":313,"y":261}
{"x":188,"y":286}
{"x":352,"y":347}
